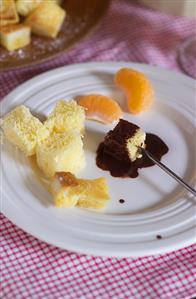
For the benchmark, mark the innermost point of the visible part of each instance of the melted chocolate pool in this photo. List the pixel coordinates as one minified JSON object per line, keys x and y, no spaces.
{"x":118,"y":168}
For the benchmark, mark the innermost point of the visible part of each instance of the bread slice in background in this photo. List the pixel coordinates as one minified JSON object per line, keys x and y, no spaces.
{"x":8,"y":12}
{"x":13,"y":37}
{"x":25,"y":7}
{"x":46,"y":19}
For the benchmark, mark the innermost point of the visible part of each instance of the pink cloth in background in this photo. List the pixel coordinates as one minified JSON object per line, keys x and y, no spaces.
{"x":31,"y":268}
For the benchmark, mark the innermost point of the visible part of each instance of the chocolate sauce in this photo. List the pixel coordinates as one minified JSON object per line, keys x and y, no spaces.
{"x":120,"y":168}
{"x":121,"y":200}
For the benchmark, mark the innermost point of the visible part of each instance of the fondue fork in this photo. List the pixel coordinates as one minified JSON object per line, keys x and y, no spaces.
{"x":167,"y":170}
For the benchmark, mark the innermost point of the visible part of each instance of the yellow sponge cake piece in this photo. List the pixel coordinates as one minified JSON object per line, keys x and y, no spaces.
{"x":60,"y":152}
{"x":66,"y":116}
{"x":61,"y":184}
{"x":93,"y":194}
{"x":22,"y":129}
{"x":69,"y":191}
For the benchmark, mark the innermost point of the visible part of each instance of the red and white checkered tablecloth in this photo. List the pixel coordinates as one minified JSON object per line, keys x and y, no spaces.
{"x":31,"y":268}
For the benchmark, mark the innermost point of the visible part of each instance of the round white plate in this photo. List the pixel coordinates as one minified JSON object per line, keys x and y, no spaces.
{"x":155,"y":205}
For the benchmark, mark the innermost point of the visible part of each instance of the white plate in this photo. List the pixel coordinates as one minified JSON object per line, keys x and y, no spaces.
{"x":154,"y":203}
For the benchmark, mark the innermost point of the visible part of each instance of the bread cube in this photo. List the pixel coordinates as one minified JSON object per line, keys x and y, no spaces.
{"x":69,"y":191}
{"x":60,"y":152}
{"x":66,"y":116}
{"x":22,"y":129}
{"x":46,"y":19}
{"x":14,"y":37}
{"x":25,"y":7}
{"x":8,"y":12}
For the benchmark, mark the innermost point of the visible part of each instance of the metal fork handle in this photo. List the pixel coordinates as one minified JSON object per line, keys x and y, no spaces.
{"x":168,"y":171}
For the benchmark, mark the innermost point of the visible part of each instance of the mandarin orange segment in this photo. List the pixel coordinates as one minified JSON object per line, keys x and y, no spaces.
{"x":138,"y":89}
{"x":101,"y":108}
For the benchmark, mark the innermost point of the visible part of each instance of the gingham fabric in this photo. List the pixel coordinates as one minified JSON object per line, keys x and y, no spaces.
{"x":33,"y":269}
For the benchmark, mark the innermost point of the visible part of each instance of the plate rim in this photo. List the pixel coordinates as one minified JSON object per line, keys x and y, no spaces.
{"x":50,"y":72}
{"x":159,"y":248}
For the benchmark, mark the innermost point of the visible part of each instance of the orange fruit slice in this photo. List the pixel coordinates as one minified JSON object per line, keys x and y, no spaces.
{"x":138,"y":89}
{"x":101,"y":108}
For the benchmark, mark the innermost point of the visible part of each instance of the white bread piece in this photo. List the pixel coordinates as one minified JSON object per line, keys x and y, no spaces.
{"x":25,"y":7}
{"x":14,"y":37}
{"x":8,"y":12}
{"x":60,"y":152}
{"x":22,"y":129}
{"x":46,"y":19}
